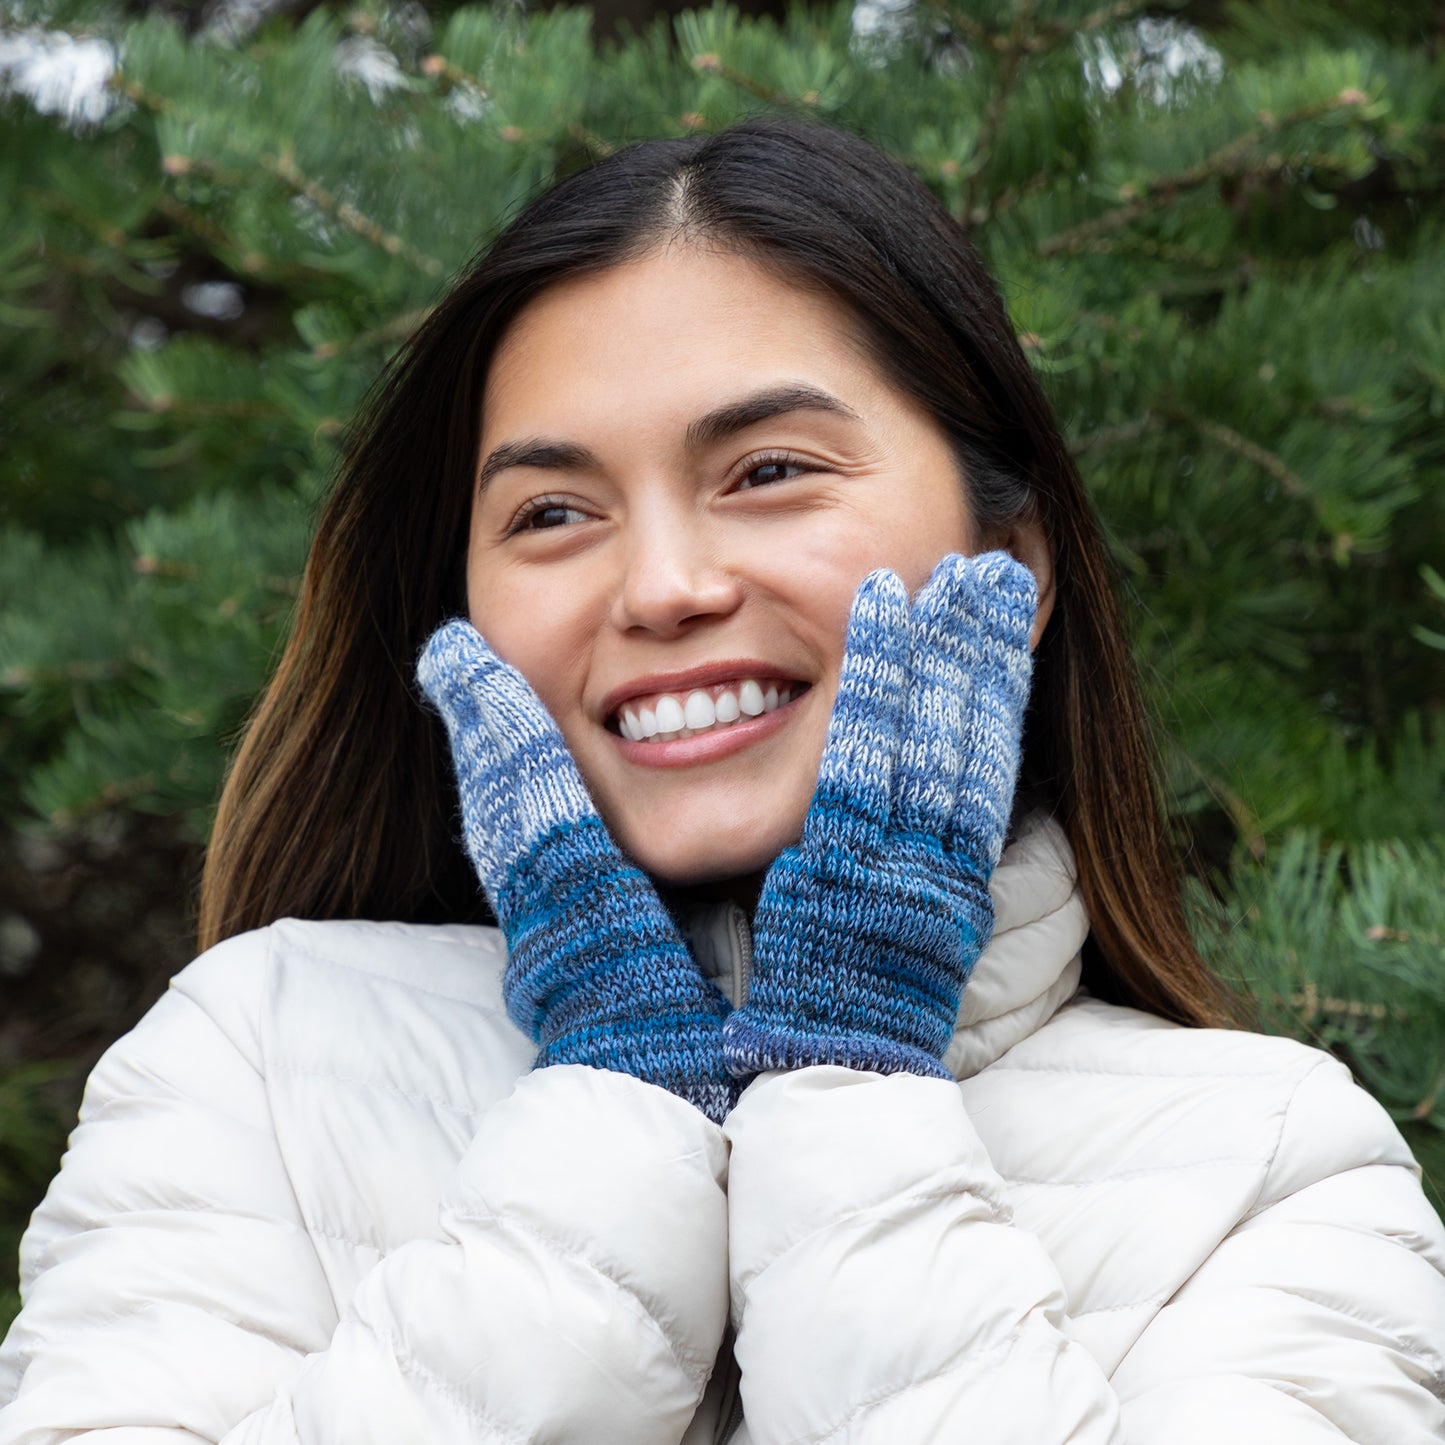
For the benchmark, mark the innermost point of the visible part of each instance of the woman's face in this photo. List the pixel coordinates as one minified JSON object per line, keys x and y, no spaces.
{"x":688,"y":464}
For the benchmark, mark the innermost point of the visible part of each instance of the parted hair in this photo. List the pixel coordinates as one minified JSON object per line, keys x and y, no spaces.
{"x":340,"y":801}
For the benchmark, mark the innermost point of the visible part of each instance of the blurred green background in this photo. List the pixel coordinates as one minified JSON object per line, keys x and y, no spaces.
{"x":1219,"y":230}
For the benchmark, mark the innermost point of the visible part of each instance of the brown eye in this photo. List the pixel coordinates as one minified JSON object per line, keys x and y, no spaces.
{"x":545,"y":515}
{"x":554,"y":516}
{"x":766,"y":473}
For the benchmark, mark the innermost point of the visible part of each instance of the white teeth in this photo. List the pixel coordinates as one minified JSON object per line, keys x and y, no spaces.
{"x":669,"y":715}
{"x":698,"y":711}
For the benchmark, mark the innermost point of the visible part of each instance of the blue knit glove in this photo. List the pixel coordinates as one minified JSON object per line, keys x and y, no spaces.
{"x":867,"y":929}
{"x":597,"y":972}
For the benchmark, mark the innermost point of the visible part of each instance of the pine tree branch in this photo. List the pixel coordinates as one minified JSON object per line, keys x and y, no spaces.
{"x":970,"y":213}
{"x":1310,"y":1006}
{"x":1106,"y":438}
{"x":220,"y":244}
{"x":1247,"y":824}
{"x":594,"y":144}
{"x":1290,"y":482}
{"x":439,"y":67}
{"x":1044,"y":37}
{"x":285,"y":169}
{"x":711,"y":63}
{"x":397,"y":329}
{"x":1426,"y":1107}
{"x":23,"y":679}
{"x":112,"y":795}
{"x":1228,"y":163}
{"x":1150,"y":249}
{"x":185,"y":406}
{"x":147,"y":564}
{"x":283,"y":166}
{"x":1011,"y":196}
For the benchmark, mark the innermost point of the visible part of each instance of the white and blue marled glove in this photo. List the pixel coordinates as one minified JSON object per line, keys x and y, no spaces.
{"x":867,"y":929}
{"x":597,"y":972}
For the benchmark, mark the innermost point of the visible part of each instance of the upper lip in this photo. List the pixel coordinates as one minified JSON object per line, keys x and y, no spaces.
{"x":703,"y":675}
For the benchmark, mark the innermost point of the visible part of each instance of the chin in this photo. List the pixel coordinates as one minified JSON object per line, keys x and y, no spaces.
{"x":681,"y":863}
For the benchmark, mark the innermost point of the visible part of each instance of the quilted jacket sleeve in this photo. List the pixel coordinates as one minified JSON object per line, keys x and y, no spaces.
{"x":576,"y":1289}
{"x":882,"y":1294}
{"x":1321,"y":1318}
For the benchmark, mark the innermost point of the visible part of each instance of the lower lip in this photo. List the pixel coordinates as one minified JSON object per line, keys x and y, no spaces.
{"x":708,"y":747}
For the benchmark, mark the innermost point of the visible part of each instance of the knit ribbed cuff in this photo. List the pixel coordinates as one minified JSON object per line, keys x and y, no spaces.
{"x":753,"y":1042}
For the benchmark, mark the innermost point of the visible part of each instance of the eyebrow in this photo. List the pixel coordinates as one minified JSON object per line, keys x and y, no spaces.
{"x":736,"y":416}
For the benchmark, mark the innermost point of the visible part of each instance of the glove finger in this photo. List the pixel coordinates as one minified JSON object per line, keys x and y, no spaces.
{"x":855,"y":776}
{"x":943,"y":656}
{"x":1004,"y":597}
{"x":516,"y":778}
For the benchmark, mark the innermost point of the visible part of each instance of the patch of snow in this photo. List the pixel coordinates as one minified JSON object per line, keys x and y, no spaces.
{"x":59,"y":74}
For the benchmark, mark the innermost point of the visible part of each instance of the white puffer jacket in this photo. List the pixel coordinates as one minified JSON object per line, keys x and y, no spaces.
{"x":317,"y":1197}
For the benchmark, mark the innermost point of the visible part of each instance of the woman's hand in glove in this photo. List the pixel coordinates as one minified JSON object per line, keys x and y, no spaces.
{"x":597,"y":971}
{"x":867,"y":929}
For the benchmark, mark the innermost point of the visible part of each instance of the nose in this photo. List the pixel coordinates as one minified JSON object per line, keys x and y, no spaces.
{"x":674,"y":576}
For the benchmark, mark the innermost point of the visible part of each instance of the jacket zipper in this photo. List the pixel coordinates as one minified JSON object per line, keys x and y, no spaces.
{"x":741,"y":933}
{"x":735,"y":1415}
{"x":730,"y":1406}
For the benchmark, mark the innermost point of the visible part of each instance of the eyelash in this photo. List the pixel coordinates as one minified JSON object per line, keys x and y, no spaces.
{"x":776,"y":459}
{"x":535,"y":506}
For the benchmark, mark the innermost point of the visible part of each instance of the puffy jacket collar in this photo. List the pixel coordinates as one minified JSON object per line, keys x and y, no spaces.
{"x":1029,"y":970}
{"x":1031,"y":966}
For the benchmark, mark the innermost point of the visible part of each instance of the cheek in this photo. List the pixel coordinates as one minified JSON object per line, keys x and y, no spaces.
{"x":527,"y":630}
{"x":825,"y":565}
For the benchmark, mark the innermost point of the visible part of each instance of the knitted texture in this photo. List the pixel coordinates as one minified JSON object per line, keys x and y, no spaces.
{"x":597,"y":972}
{"x":867,"y":929}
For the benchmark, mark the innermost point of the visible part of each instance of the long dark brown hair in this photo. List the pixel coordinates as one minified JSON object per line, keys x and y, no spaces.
{"x":340,"y":802}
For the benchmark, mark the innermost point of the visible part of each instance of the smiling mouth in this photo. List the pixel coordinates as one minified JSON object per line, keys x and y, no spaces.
{"x":664,"y":717}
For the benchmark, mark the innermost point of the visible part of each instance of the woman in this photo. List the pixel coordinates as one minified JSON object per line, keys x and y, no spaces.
{"x":775,"y":573}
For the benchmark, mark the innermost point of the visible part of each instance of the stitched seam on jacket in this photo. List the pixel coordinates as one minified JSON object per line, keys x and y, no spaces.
{"x":1000,"y":1214}
{"x":296,"y":1226}
{"x":1291,"y":1389}
{"x":1150,"y":1301}
{"x":180,"y":986}
{"x":1219,"y":1161}
{"x":300,"y":1348}
{"x":695,"y":1367}
{"x":1434,"y":1362}
{"x":410,"y":1365}
{"x":1230,"y":1075}
{"x":302,"y":950}
{"x":954,"y":1363}
{"x":293,"y":1071}
{"x":1260,"y":1202}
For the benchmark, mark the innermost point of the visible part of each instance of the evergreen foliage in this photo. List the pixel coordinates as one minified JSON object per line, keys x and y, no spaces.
{"x":1218,"y":230}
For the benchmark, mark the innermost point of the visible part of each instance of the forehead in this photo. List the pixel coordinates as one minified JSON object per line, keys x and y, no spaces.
{"x":664,"y":335}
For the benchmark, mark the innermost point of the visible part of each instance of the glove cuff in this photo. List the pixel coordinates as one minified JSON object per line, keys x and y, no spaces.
{"x":754,"y":1041}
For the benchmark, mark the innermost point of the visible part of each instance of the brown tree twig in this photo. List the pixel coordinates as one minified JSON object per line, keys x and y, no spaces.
{"x":989,"y":131}
{"x":1105,"y":438}
{"x":1226,"y":163}
{"x":397,"y":329}
{"x":1046,"y":36}
{"x":285,"y":169}
{"x":283,"y":166}
{"x":711,"y":63}
{"x":1290,"y":481}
